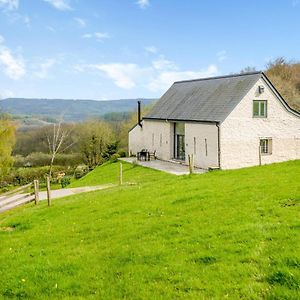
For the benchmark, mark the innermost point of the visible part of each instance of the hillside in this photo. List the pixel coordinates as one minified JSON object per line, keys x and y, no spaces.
{"x":69,"y":110}
{"x":285,"y":76}
{"x":224,"y":234}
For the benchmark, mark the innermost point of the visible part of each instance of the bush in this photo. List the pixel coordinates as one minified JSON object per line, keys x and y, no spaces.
{"x":114,"y":158}
{"x":22,"y":176}
{"x":122,"y":153}
{"x":111,"y":149}
{"x":38,"y":159}
{"x":65,"y":181}
{"x":80,"y":171}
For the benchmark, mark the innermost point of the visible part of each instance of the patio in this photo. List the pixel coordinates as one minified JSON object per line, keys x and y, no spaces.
{"x":171,"y":167}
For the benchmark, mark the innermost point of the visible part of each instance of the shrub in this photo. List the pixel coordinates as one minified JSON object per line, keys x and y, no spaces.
{"x":80,"y":171}
{"x":38,"y":159}
{"x":111,"y":149}
{"x":114,"y":158}
{"x":122,"y":153}
{"x":65,"y":181}
{"x":22,"y":176}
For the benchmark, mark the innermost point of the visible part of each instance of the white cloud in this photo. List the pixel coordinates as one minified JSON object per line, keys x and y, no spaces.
{"x":10,"y":8}
{"x":26,"y":20}
{"x":60,"y":4}
{"x":12,"y":66}
{"x":81,"y":23}
{"x":99,"y":36}
{"x":123,"y":75}
{"x":164,"y":79}
{"x":143,"y":3}
{"x":50,"y":28}
{"x":151,"y":49}
{"x":44,"y":67}
{"x":222,"y":55}
{"x":156,"y":78}
{"x":16,"y":17}
{"x":6,"y":94}
{"x":9,"y":4}
{"x":163,"y":64}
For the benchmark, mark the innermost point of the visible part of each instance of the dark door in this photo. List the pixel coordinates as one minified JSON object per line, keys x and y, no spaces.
{"x":180,"y":147}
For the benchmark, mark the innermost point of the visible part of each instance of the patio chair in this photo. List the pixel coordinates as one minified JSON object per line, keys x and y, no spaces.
{"x":143,"y":155}
{"x":152,"y":154}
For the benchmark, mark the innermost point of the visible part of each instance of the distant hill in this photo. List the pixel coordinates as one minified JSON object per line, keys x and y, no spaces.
{"x":50,"y":110}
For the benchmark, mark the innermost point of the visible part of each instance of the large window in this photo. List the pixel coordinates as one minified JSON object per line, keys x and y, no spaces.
{"x":266,"y":146}
{"x":259,"y":108}
{"x":179,"y":141}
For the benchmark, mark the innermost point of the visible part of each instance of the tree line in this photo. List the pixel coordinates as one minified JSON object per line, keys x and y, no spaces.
{"x":89,"y":143}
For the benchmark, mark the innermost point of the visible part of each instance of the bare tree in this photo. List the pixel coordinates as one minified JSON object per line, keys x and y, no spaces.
{"x":57,"y":139}
{"x":248,"y":69}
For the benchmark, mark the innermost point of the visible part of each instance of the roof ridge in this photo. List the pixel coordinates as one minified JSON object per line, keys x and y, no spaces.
{"x":220,"y":77}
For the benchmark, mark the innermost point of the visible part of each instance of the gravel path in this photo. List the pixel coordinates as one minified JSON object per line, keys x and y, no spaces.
{"x":18,"y":199}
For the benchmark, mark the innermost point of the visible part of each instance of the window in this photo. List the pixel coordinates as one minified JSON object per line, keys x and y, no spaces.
{"x":266,"y":146}
{"x":160,"y":140}
{"x":195,"y":146}
{"x":205,"y":140}
{"x":152,"y":139}
{"x":260,"y":108}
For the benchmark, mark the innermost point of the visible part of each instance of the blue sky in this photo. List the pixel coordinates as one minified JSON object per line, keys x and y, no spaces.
{"x":111,"y":49}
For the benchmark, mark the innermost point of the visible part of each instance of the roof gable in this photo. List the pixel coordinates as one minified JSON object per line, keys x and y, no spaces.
{"x":277,"y":94}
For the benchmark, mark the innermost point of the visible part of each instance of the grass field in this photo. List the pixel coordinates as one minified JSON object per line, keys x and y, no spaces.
{"x":224,"y":234}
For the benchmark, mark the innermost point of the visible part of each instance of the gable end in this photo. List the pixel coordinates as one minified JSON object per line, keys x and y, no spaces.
{"x":281,"y":99}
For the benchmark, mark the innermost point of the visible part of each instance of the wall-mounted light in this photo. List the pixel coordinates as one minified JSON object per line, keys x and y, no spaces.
{"x":261,"y":89}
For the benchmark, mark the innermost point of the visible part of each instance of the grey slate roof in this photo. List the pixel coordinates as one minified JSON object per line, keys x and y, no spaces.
{"x":207,"y":99}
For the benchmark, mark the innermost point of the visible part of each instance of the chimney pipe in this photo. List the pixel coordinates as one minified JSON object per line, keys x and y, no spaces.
{"x":139,"y":114}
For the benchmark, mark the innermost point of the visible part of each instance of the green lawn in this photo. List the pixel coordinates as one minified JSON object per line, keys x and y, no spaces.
{"x":224,"y":234}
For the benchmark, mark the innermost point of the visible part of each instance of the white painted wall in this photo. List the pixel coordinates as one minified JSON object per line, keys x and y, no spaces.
{"x":153,"y":135}
{"x":199,"y":132}
{"x":240,"y":132}
{"x":159,"y":136}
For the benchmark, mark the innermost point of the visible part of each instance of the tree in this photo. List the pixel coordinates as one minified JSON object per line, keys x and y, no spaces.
{"x":7,"y":141}
{"x":93,"y":140}
{"x":248,"y":70}
{"x":57,"y":140}
{"x":285,"y":75}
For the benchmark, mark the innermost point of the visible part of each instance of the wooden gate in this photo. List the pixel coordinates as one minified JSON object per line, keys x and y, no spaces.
{"x":19,"y":196}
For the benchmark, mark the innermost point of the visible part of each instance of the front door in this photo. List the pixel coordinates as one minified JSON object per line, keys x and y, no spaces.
{"x":180,"y":147}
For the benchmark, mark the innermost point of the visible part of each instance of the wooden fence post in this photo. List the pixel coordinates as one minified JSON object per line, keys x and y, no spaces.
{"x":48,"y":191}
{"x":191,"y":163}
{"x":121,"y":174}
{"x":36,"y":192}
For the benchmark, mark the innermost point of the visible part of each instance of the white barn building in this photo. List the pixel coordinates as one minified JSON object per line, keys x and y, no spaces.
{"x":226,"y":122}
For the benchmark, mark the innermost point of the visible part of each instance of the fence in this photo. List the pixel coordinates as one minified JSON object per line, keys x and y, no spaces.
{"x":19,"y":196}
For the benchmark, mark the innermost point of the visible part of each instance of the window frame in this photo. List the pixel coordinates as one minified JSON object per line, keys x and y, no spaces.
{"x":267,"y":148}
{"x":265,"y":115}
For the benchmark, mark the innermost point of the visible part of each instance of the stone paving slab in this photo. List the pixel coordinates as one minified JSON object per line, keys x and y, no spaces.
{"x":165,"y":166}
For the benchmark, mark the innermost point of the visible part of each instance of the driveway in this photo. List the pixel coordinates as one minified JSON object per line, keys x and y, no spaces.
{"x":73,"y":191}
{"x":18,"y":199}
